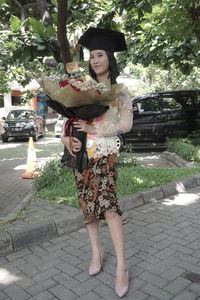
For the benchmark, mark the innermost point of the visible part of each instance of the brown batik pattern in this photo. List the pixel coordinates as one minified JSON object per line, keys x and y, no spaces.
{"x":96,"y":188}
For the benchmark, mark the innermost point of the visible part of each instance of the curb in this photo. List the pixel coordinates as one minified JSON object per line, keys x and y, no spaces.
{"x":19,"y":238}
{"x":177,"y":160}
{"x":27,"y":199}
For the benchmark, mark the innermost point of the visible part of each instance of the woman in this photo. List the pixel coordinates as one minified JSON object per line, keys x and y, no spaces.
{"x":97,"y":185}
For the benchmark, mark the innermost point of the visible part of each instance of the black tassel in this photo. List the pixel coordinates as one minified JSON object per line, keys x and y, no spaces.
{"x":81,"y":54}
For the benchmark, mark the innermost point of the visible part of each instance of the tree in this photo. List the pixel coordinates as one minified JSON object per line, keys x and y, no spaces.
{"x":33,"y":30}
{"x":169,"y":35}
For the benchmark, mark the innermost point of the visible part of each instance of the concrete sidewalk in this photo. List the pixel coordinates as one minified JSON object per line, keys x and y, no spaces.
{"x":162,"y":249}
{"x":42,"y":219}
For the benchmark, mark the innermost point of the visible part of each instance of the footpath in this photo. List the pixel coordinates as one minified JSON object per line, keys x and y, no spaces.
{"x":162,"y":250}
{"x":33,"y":221}
{"x":45,"y":252}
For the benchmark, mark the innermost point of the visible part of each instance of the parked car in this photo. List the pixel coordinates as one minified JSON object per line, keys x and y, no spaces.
{"x":22,"y":123}
{"x":59,"y":125}
{"x":161,"y":115}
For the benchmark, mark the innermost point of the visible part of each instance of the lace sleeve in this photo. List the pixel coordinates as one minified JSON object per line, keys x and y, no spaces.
{"x":123,"y":122}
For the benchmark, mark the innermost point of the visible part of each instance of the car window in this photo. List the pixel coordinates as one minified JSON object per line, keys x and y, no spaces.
{"x":169,"y":103}
{"x":20,"y":114}
{"x":148,"y":105}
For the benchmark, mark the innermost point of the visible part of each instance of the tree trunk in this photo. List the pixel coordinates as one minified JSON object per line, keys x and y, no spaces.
{"x":61,"y":32}
{"x":22,"y":10}
{"x":44,"y":12}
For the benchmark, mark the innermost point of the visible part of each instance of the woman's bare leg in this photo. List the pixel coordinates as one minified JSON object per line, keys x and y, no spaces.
{"x":117,"y":234}
{"x":93,"y":232}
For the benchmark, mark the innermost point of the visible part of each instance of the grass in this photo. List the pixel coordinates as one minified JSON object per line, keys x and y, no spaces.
{"x":130,"y":180}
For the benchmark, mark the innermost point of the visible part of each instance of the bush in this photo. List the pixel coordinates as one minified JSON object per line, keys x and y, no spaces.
{"x":195,"y":138}
{"x":127,"y":157}
{"x":184,"y":148}
{"x":51,"y":172}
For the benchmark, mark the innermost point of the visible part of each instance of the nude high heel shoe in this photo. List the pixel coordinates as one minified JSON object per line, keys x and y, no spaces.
{"x":122,"y":291}
{"x":93,"y":270}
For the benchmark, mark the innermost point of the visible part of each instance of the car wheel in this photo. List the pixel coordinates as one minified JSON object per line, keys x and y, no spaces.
{"x":4,"y":139}
{"x":35,"y":137}
{"x":120,"y":143}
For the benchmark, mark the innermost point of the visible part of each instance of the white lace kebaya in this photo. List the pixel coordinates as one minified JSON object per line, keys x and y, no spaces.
{"x":116,"y":120}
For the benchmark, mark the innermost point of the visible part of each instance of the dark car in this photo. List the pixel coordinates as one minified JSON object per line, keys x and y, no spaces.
{"x":21,"y":123}
{"x":161,"y":115}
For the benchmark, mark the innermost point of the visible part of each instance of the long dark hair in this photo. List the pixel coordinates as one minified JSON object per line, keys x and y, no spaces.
{"x":114,"y":73}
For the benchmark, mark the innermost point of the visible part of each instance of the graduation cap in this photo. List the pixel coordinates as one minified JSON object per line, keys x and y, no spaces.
{"x":103,"y":39}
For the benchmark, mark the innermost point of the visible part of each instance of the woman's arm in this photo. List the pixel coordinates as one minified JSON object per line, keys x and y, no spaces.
{"x":122,"y":124}
{"x":124,"y":121}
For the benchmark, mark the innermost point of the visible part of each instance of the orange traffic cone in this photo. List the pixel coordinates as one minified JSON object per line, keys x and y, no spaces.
{"x":32,"y":163}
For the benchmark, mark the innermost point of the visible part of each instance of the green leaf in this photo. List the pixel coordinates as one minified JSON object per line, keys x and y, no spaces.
{"x":15,"y":23}
{"x":50,"y":31}
{"x":38,"y":26}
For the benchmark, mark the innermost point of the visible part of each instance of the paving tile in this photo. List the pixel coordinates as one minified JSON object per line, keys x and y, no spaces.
{"x":43,"y":296}
{"x":185,"y":295}
{"x":177,"y":285}
{"x":153,"y":279}
{"x":62,"y":293}
{"x":15,"y":292}
{"x":86,"y":286}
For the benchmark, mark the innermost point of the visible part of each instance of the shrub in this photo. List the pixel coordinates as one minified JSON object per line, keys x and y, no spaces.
{"x":184,"y":148}
{"x":195,"y":138}
{"x":127,"y":157}
{"x":51,"y":172}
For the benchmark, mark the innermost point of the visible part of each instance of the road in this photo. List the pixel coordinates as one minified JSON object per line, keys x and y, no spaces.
{"x":13,"y":158}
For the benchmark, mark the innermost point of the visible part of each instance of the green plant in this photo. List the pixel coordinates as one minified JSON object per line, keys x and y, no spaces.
{"x":51,"y":172}
{"x":127,"y":157}
{"x":195,"y":138}
{"x":61,"y":188}
{"x":184,"y":148}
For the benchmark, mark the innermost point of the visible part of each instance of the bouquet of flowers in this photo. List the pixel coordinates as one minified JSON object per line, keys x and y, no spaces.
{"x":72,"y":90}
{"x":76,"y":97}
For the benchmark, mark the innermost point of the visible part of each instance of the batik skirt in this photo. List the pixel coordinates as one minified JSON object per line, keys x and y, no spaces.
{"x":96,"y":188}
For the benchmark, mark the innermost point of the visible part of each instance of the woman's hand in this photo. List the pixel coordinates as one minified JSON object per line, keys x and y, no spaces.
{"x":72,"y":144}
{"x":82,"y":125}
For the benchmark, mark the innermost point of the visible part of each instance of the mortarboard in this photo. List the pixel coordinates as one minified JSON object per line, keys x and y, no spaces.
{"x":103,"y":39}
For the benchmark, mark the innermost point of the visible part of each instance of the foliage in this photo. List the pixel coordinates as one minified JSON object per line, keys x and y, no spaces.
{"x":51,"y":172}
{"x":127,"y":157}
{"x":185,"y":149}
{"x":195,"y":138}
{"x":155,"y":79}
{"x":133,"y":180}
{"x":151,"y":27}
{"x":61,"y":188}
{"x":166,"y":36}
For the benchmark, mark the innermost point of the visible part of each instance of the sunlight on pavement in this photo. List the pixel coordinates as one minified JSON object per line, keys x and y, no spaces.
{"x":41,"y":162}
{"x":48,"y":141}
{"x":148,"y":157}
{"x":184,"y":199}
{"x":7,"y":278}
{"x":9,"y":146}
{"x":20,"y":167}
